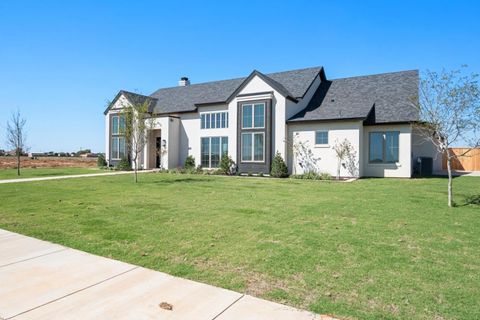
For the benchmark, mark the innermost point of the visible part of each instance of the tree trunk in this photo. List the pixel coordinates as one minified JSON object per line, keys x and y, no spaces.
{"x":339,"y":165}
{"x":449,"y":169}
{"x":18,"y":163}
{"x":135,"y":179}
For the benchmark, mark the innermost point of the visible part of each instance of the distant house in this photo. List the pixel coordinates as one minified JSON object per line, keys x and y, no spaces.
{"x":254,"y":117}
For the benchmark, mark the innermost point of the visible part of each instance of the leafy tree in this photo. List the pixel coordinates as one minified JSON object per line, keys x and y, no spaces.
{"x":101,"y":162}
{"x":449,"y":107}
{"x":137,"y":124}
{"x":279,"y":168}
{"x":16,"y":136}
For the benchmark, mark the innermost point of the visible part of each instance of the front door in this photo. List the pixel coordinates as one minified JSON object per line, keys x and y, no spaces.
{"x":158,"y":149}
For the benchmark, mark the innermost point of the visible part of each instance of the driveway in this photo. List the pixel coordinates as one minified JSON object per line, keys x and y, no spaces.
{"x":41,"y":280}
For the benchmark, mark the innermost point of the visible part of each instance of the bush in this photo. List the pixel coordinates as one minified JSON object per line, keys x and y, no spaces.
{"x":101,"y":162}
{"x":279,"y":168}
{"x":124,"y":165}
{"x":312,"y":175}
{"x":227,"y":165}
{"x":325,"y":176}
{"x":189,"y":163}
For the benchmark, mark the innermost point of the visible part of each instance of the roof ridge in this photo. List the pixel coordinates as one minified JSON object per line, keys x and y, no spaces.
{"x":375,"y":74}
{"x":239,"y":78}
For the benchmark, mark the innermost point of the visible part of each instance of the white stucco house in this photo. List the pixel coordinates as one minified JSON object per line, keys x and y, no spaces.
{"x":254,"y":117}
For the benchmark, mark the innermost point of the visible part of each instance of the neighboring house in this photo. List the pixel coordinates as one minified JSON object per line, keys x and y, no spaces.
{"x":252,"y":118}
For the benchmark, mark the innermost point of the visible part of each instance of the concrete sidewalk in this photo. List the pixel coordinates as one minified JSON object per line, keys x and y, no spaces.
{"x":41,"y":280}
{"x":86,"y":175}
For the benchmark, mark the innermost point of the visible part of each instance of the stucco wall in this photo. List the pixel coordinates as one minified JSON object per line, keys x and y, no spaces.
{"x":402,"y":168}
{"x":422,"y":147}
{"x":337,"y":132}
{"x":257,"y":85}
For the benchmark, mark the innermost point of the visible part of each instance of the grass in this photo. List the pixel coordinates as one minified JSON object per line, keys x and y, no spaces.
{"x":43,"y":172}
{"x":375,"y":248}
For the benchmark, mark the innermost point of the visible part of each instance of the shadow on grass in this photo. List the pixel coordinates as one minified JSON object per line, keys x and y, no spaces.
{"x":181,"y":180}
{"x":472,"y":200}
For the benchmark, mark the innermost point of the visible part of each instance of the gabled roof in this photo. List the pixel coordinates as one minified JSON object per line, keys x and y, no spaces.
{"x":387,"y":95}
{"x":134,"y":98}
{"x":291,"y":84}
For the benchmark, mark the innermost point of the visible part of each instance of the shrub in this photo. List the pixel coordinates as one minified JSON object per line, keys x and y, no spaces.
{"x":189,"y":163}
{"x":279,"y":168}
{"x":227,"y":165}
{"x":260,"y":174}
{"x":124,"y":165}
{"x":325,"y":176}
{"x":101,"y":162}
{"x":312,"y":175}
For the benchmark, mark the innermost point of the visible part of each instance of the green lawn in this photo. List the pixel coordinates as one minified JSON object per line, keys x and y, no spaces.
{"x":375,"y":248}
{"x":43,"y":172}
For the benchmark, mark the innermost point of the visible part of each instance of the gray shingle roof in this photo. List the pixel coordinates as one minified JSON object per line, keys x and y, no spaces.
{"x":353,"y":98}
{"x":183,"y":99}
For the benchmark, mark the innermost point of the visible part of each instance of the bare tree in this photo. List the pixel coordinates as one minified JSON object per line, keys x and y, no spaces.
{"x":137,"y":124}
{"x":16,"y":136}
{"x":449,"y":107}
{"x":345,"y":152}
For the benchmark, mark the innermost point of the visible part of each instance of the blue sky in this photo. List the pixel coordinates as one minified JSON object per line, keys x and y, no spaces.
{"x":60,"y":61}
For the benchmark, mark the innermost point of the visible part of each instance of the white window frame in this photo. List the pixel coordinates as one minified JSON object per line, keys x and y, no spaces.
{"x":253,"y":148}
{"x":322,"y":145}
{"x":253,"y":114}
{"x":213,"y":116}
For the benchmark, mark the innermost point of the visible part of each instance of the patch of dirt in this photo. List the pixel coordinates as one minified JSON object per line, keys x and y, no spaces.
{"x":166,"y":306}
{"x":48,"y":162}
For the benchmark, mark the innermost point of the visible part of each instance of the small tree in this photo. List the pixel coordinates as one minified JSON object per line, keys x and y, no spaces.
{"x":227,"y":165}
{"x":304,"y":156}
{"x":16,"y":136}
{"x":345,"y":152}
{"x":189,"y":163}
{"x":135,"y":131}
{"x":279,"y":168}
{"x":449,"y":107}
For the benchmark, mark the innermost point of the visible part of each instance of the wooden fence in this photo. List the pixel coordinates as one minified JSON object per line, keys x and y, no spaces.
{"x":469,"y":162}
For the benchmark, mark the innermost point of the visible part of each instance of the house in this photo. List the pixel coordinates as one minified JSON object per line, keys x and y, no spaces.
{"x":254,"y":117}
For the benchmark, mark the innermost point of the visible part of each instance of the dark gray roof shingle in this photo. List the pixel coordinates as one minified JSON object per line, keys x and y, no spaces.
{"x":352,"y":98}
{"x":183,"y":99}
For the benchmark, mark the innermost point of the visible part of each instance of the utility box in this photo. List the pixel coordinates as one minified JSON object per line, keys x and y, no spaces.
{"x":425,"y":166}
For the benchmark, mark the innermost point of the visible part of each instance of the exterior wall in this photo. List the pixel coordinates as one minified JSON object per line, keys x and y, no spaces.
{"x":337,"y":131}
{"x":116,"y":108}
{"x":401,"y":169}
{"x":425,"y":148}
{"x":257,"y":85}
{"x":173,"y":142}
{"x":190,"y":133}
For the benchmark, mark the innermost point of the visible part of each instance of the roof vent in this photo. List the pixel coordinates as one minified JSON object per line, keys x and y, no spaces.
{"x":183,"y":82}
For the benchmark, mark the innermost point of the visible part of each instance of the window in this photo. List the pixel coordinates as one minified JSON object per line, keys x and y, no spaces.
{"x":118,"y":141}
{"x":215,"y":120}
{"x":253,"y":115}
{"x":321,"y":137}
{"x":212,"y":150}
{"x":118,"y":148}
{"x":383,"y":147}
{"x":118,"y":124}
{"x":253,"y":147}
